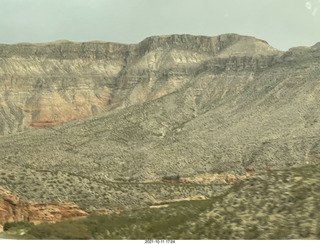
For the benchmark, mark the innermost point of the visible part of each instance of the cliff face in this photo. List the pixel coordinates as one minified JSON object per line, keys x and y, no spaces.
{"x":12,"y":210}
{"x":43,"y":85}
{"x":47,"y":84}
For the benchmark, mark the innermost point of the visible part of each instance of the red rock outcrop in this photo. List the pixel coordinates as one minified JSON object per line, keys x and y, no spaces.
{"x":12,"y":210}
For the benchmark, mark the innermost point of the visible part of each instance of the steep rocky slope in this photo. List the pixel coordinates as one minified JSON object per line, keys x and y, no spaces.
{"x":240,"y":105}
{"x":47,"y":84}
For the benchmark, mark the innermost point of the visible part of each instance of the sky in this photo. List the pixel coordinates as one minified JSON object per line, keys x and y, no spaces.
{"x":282,"y":23}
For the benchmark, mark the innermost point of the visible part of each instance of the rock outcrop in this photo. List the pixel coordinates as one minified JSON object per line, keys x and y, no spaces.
{"x":12,"y":210}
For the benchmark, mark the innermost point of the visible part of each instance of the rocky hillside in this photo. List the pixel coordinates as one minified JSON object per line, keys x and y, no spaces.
{"x":187,"y":107}
{"x":47,"y":84}
{"x":276,"y":205}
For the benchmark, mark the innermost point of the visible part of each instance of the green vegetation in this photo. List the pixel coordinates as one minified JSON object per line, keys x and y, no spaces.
{"x":18,"y":225}
{"x":279,"y":204}
{"x":95,"y":194}
{"x":136,"y":224}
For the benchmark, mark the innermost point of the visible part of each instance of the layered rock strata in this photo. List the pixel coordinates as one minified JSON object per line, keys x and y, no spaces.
{"x":48,"y":84}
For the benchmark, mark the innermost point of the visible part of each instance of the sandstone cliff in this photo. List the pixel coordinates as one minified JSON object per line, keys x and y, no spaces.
{"x":12,"y":210}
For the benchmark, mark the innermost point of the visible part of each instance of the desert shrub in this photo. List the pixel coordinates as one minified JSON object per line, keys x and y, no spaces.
{"x":22,"y":224}
{"x":65,"y":230}
{"x":174,"y":178}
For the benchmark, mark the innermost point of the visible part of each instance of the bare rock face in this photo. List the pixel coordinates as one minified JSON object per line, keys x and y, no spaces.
{"x":53,"y":212}
{"x":48,"y":84}
{"x":43,"y":85}
{"x":12,"y":210}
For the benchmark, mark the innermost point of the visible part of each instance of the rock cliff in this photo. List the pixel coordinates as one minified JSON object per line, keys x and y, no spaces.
{"x":47,"y":84}
{"x":12,"y":210}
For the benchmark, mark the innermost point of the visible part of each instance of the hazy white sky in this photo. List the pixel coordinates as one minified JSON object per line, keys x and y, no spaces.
{"x":282,"y":23}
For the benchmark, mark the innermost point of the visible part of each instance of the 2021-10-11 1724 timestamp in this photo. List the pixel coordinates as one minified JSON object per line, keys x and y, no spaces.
{"x":159,"y":241}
